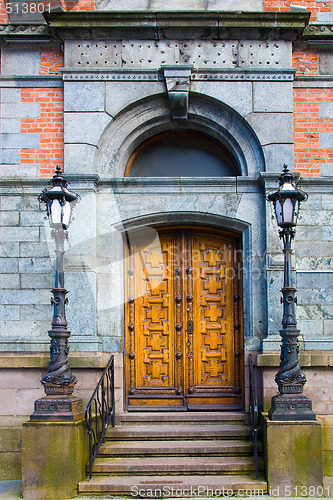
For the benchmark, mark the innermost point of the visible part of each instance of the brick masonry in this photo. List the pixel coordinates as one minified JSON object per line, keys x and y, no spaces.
{"x":313,"y":127}
{"x":48,"y":126}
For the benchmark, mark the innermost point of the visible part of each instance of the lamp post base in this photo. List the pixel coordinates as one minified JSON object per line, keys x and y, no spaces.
{"x":291,"y":407}
{"x":58,"y":409}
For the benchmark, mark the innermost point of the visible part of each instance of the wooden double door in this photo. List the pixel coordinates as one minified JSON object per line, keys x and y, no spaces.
{"x":184,"y":321}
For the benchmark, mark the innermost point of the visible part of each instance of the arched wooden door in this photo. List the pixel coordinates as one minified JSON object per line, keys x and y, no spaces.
{"x":184,"y":322}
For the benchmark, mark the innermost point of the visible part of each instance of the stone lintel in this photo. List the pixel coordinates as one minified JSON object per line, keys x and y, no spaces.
{"x":179,"y":25}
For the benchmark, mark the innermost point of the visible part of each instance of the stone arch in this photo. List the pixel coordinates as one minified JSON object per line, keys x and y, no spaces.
{"x":148,"y":117}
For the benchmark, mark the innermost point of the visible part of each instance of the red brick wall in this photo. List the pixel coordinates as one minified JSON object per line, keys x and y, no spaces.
{"x":50,"y":126}
{"x":311,"y":5}
{"x":307,"y":127}
{"x":305,"y":61}
{"x":51,"y":62}
{"x":3,"y":13}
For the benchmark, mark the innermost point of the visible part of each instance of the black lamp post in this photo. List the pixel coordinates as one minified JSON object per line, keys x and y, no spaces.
{"x":59,"y":381}
{"x":290,"y":403}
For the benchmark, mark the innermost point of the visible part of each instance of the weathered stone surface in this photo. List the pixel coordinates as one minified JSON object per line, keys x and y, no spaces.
{"x":328,"y":233}
{"x":312,"y":249}
{"x":35,"y":265}
{"x":82,"y":290}
{"x":10,"y":125}
{"x":122,"y":94}
{"x":43,"y":280}
{"x":19,"y":202}
{"x":325,"y":17}
{"x":326,"y":109}
{"x":10,"y":313}
{"x":10,"y":156}
{"x":310,"y":327}
{"x":276,"y":154}
{"x":79,"y":158}
{"x":20,"y":233}
{"x":328,"y":327}
{"x":315,"y":296}
{"x":293,"y":455}
{"x":36,"y":249}
{"x":243,"y":5}
{"x":325,"y":62}
{"x":10,"y":218}
{"x":273,"y":97}
{"x":28,"y":171}
{"x":13,"y":60}
{"x":10,"y":95}
{"x":20,"y":110}
{"x":10,"y":466}
{"x":32,"y":218}
{"x":8,"y":265}
{"x":10,"y":281}
{"x":20,"y":297}
{"x":36,"y":312}
{"x":85,"y":128}
{"x":237,"y":95}
{"x":84,"y":96}
{"x":326,"y":140}
{"x":272,"y":127}
{"x":9,"y":249}
{"x":27,"y":141}
{"x":315,"y":311}
{"x":44,"y":461}
{"x":313,"y":279}
{"x":308,"y":233}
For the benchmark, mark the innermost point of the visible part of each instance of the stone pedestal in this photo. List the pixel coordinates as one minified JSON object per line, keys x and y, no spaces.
{"x":55,"y":408}
{"x":54,"y":458}
{"x":293,"y":456}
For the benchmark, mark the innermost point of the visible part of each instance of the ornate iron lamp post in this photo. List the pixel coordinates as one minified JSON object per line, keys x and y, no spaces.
{"x":59,"y":381}
{"x":290,"y":403}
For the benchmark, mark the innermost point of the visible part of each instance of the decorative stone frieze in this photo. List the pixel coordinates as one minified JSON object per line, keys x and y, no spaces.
{"x":145,"y":54}
{"x":71,"y":74}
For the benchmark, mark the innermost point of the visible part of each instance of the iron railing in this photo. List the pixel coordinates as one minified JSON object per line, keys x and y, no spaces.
{"x":100,"y":412}
{"x":254,"y":414}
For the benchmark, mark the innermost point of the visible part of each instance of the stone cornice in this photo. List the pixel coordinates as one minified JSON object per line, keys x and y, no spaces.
{"x":318,"y":31}
{"x":177,"y":25}
{"x":29,"y":31}
{"x":167,"y":25}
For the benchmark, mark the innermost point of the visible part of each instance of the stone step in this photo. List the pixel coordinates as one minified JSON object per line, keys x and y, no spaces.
{"x":174,"y":465}
{"x":194,"y":418}
{"x":182,"y":431}
{"x":174,"y":486}
{"x":188,"y":447}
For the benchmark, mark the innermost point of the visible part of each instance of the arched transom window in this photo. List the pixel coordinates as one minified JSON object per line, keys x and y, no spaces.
{"x":181,"y":154}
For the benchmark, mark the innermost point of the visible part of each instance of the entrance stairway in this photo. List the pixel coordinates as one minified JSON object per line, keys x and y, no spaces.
{"x":176,"y":454}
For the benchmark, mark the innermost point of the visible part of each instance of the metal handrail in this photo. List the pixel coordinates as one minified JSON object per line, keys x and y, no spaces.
{"x":100,"y":411}
{"x":254,"y":414}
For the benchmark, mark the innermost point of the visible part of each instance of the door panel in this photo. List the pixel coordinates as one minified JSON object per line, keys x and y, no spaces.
{"x":183,"y":347}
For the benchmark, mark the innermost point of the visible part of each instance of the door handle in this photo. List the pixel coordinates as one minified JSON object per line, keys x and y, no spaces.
{"x":189,"y":331}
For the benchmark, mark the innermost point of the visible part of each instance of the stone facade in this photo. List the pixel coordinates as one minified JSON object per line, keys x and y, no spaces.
{"x":85,"y":95}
